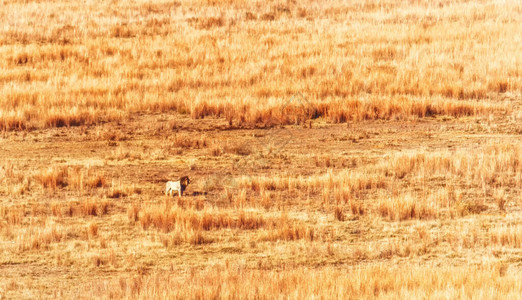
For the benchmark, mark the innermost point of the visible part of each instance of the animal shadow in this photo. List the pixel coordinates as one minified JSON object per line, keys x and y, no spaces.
{"x":198,"y":193}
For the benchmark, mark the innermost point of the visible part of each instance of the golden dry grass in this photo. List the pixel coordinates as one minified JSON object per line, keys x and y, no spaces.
{"x":442,"y":211}
{"x":369,"y":282}
{"x":341,"y":149}
{"x":244,"y":61}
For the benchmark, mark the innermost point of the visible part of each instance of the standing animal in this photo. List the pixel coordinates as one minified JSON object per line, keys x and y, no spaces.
{"x":177,"y":186}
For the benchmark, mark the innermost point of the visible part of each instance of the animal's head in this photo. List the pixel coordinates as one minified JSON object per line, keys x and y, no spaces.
{"x":184,"y":180}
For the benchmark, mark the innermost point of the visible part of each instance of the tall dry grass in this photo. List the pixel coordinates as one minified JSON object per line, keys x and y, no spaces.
{"x":18,"y":181}
{"x":331,"y":180}
{"x":419,"y":184}
{"x":188,"y":224}
{"x":507,"y":235}
{"x":244,"y":61}
{"x":495,"y":164}
{"x":75,"y":177}
{"x":40,"y":238}
{"x":407,"y":207}
{"x":176,"y":217}
{"x":380,"y":281}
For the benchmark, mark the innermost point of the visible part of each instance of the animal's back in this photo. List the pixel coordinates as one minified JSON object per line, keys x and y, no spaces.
{"x":171,"y":187}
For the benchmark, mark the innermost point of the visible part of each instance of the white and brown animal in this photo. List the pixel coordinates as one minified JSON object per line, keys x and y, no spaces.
{"x":177,"y":186}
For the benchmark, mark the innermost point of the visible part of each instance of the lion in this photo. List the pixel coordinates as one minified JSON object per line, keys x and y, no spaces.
{"x":177,"y":186}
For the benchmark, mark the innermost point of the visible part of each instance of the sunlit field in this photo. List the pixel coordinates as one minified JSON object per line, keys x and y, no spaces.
{"x":335,"y":149}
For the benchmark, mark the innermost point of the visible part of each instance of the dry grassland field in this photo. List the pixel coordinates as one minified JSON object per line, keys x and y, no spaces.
{"x":335,"y":149}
